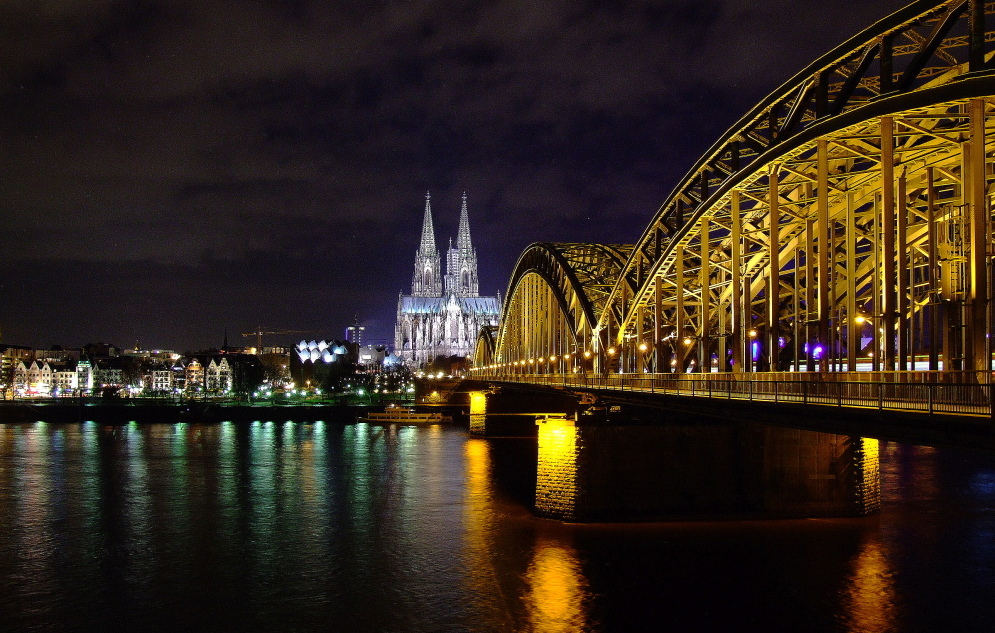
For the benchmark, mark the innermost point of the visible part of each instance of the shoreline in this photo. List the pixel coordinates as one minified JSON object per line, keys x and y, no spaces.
{"x":176,"y":412}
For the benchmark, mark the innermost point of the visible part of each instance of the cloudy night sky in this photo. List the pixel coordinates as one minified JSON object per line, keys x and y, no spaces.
{"x":170,"y":169}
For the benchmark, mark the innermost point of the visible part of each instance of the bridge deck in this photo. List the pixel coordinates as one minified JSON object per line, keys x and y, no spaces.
{"x":932,"y":393}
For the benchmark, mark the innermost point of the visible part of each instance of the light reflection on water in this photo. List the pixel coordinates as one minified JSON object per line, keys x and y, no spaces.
{"x":289,"y":526}
{"x":870,"y":591}
{"x":556,"y":588}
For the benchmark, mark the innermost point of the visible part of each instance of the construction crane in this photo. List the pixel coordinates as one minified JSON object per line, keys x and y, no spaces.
{"x":260,"y":331}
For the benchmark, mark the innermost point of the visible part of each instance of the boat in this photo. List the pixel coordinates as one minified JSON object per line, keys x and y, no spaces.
{"x":403,"y":415}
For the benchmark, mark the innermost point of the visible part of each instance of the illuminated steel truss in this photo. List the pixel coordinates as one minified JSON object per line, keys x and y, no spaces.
{"x":555,"y":299}
{"x":846,"y":219}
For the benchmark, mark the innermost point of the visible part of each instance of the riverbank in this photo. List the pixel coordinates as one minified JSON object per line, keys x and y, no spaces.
{"x":122,"y":412}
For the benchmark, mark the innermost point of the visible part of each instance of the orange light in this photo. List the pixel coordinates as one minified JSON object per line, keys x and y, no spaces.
{"x":611,"y":351}
{"x":643,"y":347}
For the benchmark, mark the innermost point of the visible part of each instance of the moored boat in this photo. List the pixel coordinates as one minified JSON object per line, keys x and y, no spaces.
{"x":403,"y":415}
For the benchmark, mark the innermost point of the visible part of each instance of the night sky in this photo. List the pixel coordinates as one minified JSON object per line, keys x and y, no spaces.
{"x":171,"y":169}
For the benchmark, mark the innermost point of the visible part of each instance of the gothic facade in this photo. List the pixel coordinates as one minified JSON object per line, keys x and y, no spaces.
{"x":444,"y":313}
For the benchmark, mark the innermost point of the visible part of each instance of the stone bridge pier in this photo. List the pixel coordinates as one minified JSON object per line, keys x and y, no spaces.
{"x":605,"y":465}
{"x":618,"y":462}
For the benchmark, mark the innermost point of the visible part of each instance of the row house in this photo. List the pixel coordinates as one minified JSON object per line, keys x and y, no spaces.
{"x":214,"y":376}
{"x":160,"y":378}
{"x":105,"y":376}
{"x":200,"y":374}
{"x":196,"y":374}
{"x":218,"y":375}
{"x":33,"y":378}
{"x":43,"y":377}
{"x":65,"y":377}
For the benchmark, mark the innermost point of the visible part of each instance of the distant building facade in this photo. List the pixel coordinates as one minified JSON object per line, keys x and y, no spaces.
{"x":66,"y":372}
{"x":443,"y":313}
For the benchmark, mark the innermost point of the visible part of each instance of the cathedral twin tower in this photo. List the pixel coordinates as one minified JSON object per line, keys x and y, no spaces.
{"x":443,"y":314}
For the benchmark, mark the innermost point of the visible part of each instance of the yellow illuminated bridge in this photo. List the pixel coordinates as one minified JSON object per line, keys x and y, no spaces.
{"x":833,"y":247}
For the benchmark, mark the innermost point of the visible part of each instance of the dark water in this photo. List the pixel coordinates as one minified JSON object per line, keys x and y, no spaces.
{"x":321,"y":527}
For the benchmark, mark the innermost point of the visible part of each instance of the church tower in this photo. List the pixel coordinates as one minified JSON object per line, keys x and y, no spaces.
{"x":427,"y":279}
{"x":443,"y":315}
{"x":461,"y":262}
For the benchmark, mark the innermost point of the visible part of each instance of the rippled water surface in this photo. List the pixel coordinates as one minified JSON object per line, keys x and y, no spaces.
{"x":324,"y":527}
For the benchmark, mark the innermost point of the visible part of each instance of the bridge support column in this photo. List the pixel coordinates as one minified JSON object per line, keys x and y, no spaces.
{"x":591,"y":468}
{"x":508,"y":412}
{"x":977,"y":351}
{"x":806,"y":473}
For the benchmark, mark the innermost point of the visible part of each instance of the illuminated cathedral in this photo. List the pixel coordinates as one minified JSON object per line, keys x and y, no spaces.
{"x":444,"y":313}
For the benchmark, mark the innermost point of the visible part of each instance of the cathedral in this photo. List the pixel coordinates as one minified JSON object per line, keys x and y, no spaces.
{"x":444,"y":313}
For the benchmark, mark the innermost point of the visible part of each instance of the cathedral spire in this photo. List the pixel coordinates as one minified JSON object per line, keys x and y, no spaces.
{"x":461,"y":262}
{"x":427,"y":230}
{"x":463,"y":235}
{"x":427,"y":279}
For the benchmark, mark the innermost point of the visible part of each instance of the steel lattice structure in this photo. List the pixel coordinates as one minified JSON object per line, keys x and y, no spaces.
{"x":555,"y":299}
{"x":845,"y":219}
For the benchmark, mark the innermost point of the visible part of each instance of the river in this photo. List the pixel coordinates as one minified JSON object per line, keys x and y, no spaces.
{"x":289,"y":526}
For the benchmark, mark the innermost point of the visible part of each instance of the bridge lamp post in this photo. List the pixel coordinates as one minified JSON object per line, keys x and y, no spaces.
{"x":643,"y":349}
{"x":753,"y":352}
{"x":609,"y":361}
{"x":876,"y":332}
{"x":688,"y":342}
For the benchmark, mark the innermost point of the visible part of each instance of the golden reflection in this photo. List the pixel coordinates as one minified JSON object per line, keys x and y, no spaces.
{"x":478,"y":519}
{"x":869,"y":598}
{"x":870,"y":475}
{"x":482,"y":584}
{"x":556,"y":588}
{"x":478,"y":467}
{"x":478,"y":412}
{"x":556,"y":475}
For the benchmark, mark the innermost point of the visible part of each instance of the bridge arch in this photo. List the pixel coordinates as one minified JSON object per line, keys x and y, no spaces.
{"x":845,"y":219}
{"x":554,"y":299}
{"x":483,"y":352}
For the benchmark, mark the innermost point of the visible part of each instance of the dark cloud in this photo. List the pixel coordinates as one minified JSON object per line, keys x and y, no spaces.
{"x":171,"y":168}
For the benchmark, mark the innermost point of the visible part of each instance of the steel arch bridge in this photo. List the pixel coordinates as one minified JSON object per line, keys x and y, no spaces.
{"x":844,"y":223}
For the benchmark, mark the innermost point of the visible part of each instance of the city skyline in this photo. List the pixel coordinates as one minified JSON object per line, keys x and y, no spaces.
{"x":178,"y":168}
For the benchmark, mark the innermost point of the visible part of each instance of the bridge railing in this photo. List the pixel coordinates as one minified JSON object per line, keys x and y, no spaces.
{"x":960,"y":393}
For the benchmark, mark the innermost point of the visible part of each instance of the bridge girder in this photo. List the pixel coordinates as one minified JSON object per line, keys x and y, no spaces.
{"x":847,"y":217}
{"x":857,"y":190}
